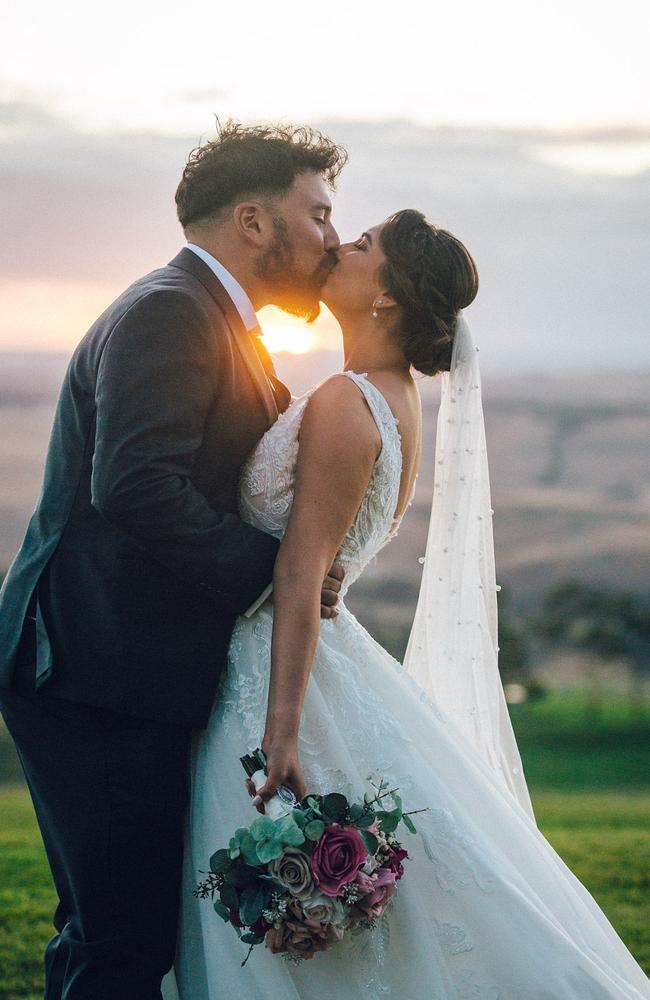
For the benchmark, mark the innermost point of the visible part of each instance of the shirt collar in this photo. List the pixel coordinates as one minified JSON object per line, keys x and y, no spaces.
{"x":239,"y":297}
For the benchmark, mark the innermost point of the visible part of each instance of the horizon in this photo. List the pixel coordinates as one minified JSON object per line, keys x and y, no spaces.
{"x":559,"y":246}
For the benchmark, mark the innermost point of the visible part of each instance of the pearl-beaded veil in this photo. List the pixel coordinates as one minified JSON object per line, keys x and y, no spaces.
{"x":453,"y":646}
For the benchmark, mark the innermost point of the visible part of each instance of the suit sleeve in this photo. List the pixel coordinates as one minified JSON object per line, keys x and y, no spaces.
{"x":155,"y":384}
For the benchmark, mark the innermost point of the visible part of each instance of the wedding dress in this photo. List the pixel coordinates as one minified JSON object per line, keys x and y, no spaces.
{"x":486,"y":910}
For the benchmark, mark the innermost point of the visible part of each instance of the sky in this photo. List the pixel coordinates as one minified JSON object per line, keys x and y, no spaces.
{"x":523,"y":127}
{"x":146,"y":64}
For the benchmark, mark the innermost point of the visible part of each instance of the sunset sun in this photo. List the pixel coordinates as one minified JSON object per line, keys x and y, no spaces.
{"x":283,"y":332}
{"x":283,"y":337}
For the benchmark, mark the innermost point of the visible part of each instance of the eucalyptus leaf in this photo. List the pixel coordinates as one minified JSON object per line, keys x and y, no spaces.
{"x":242,"y":876}
{"x":315,"y":829}
{"x":229,"y":896}
{"x":299,"y":817}
{"x":222,"y":910}
{"x":370,"y":841}
{"x":251,"y":905}
{"x":367,"y":819}
{"x":408,"y":823}
{"x":220,"y":861}
{"x":334,"y":807}
{"x":389,"y":820}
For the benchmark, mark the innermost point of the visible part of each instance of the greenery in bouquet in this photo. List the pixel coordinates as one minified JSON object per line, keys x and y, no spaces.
{"x":299,"y":883}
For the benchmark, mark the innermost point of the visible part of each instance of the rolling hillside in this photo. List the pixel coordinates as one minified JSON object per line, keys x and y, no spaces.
{"x":569,"y":466}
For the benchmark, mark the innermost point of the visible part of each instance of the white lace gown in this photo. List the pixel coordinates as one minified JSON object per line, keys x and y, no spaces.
{"x":486,"y":910}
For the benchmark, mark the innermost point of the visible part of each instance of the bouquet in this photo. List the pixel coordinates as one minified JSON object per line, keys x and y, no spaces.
{"x":324,"y":868}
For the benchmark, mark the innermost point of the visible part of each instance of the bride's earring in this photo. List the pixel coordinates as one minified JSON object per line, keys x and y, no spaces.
{"x":375,"y":314}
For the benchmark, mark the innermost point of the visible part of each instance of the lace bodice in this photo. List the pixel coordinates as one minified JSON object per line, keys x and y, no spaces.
{"x":267,"y":479}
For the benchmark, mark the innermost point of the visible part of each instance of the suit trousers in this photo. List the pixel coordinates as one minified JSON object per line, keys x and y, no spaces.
{"x":110,"y":793}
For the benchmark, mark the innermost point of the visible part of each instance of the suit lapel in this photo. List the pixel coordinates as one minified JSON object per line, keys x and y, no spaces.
{"x":189,"y":262}
{"x":280,"y":391}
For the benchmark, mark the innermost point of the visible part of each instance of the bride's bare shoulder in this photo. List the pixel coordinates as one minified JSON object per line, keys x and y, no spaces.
{"x":338,"y":408}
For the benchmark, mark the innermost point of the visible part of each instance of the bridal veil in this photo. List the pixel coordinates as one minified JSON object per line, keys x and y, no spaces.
{"x":453,"y":647}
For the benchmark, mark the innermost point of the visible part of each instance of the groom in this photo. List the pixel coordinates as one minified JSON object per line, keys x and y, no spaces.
{"x":116,"y":615}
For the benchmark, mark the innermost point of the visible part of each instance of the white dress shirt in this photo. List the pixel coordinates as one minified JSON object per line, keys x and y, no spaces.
{"x":244,"y":307}
{"x":240,"y":299}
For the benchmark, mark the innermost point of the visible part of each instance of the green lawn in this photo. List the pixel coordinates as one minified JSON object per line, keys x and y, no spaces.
{"x":589,"y":779}
{"x":26,"y":898}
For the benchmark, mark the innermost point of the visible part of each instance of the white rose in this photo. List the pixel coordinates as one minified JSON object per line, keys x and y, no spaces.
{"x":318,"y":907}
{"x":326,"y":909}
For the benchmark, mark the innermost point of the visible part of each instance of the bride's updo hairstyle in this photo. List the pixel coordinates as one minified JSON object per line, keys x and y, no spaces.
{"x":431,"y":275}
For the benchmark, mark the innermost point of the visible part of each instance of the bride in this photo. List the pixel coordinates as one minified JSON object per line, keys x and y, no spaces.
{"x":487,"y":909}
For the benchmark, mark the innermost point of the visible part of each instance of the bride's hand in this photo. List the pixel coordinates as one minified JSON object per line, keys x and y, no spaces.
{"x":282,"y":768}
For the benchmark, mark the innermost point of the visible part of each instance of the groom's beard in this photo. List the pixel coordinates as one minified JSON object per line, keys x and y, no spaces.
{"x":293,"y":290}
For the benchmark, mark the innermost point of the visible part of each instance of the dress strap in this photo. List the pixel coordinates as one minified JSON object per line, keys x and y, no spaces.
{"x":378,"y":405}
{"x":391,"y":454}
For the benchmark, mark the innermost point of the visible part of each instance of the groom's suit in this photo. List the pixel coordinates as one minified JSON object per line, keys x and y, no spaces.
{"x":134,"y":564}
{"x":116,"y":614}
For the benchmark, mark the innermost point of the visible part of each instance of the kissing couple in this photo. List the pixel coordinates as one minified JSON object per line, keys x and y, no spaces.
{"x":179,"y":598}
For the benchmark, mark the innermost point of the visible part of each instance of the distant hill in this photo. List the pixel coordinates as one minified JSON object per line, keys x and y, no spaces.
{"x":569,"y":465}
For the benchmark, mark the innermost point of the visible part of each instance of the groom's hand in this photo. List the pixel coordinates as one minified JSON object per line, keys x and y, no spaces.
{"x":329,"y":594}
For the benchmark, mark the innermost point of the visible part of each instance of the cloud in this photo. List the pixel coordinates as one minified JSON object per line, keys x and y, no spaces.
{"x":560,"y":254}
{"x":79,"y":205}
{"x":24,"y":115}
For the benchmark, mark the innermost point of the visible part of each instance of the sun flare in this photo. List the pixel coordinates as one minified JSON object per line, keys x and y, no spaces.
{"x":283,"y":332}
{"x":295,"y":340}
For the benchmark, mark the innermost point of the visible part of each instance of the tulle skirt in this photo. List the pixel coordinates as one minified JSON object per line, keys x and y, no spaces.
{"x":486,"y":910}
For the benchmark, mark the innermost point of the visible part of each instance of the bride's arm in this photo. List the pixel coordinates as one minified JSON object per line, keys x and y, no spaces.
{"x":338,"y":446}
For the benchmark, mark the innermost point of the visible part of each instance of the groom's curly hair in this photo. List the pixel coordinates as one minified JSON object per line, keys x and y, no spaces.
{"x":243,"y":161}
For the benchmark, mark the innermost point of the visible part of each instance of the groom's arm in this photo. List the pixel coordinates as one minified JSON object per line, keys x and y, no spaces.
{"x":155,"y":385}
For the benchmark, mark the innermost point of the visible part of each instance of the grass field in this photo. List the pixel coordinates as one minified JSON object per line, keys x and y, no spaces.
{"x":590,"y":783}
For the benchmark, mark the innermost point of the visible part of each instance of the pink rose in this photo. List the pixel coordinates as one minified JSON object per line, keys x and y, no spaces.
{"x":365,"y":882}
{"x":336,"y":858}
{"x":394,"y":863}
{"x":376,"y":902}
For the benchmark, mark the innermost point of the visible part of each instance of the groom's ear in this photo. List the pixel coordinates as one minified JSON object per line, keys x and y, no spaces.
{"x":253,"y":223}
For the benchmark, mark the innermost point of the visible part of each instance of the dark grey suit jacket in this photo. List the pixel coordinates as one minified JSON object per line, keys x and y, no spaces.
{"x":135,"y":563}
